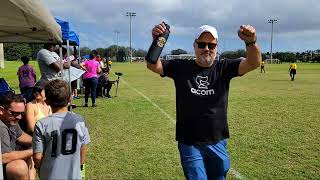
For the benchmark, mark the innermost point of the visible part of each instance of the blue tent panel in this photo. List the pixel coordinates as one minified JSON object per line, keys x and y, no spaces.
{"x":64,"y":28}
{"x":74,"y":37}
{"x":87,"y":56}
{"x":67,"y":34}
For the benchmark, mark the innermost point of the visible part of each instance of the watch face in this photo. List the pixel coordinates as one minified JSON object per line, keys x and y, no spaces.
{"x":161,"y":41}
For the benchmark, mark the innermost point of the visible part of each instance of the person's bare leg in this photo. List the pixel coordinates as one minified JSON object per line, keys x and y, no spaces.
{"x":75,"y":92}
{"x":17,"y":169}
{"x":32,"y":170}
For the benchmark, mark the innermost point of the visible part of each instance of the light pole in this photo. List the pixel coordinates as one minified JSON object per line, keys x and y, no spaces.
{"x":130,"y":14}
{"x":117,"y":33}
{"x":271,"y":21}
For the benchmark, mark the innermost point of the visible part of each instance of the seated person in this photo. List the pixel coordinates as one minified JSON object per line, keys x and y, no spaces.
{"x":17,"y":164}
{"x":104,"y":82}
{"x":36,"y":109}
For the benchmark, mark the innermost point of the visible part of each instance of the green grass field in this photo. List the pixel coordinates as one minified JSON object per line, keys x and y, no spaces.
{"x":274,"y":125}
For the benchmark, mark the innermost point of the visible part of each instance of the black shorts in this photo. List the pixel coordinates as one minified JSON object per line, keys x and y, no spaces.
{"x":4,"y":166}
{"x":293,"y":71}
{"x":74,"y":84}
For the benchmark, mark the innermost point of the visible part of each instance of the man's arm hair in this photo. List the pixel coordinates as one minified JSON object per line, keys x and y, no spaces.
{"x":157,"y":68}
{"x":15,"y":155}
{"x":252,"y":61}
{"x":37,"y":158}
{"x":25,"y":139}
{"x":83,"y":151}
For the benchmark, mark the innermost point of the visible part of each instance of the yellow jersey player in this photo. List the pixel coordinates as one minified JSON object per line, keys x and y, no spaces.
{"x":293,"y":70}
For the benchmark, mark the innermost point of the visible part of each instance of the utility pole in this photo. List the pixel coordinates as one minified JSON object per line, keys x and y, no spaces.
{"x":117,"y":33}
{"x":271,"y":21}
{"x":130,"y":14}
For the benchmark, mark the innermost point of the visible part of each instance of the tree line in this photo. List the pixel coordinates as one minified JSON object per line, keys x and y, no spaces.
{"x":13,"y":51}
{"x":307,"y":56}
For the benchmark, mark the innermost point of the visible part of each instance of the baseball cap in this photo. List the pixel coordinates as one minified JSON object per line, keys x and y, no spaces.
{"x":206,"y":28}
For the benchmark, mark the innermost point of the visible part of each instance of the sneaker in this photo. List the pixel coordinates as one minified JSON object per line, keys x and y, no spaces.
{"x":94,"y":105}
{"x":85,"y":105}
{"x":71,"y":106}
{"x":108,"y":96}
{"x":83,"y":171}
{"x":76,"y":97}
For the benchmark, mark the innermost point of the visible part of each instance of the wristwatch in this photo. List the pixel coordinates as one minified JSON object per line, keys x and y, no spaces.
{"x":250,"y":43}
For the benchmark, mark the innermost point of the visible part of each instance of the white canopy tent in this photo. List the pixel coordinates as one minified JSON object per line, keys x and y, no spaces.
{"x":27,"y":21}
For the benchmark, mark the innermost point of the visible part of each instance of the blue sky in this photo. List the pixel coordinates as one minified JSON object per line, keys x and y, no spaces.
{"x":297,"y":29}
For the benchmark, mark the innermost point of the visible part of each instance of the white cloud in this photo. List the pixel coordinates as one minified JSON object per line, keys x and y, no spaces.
{"x":295,"y":17}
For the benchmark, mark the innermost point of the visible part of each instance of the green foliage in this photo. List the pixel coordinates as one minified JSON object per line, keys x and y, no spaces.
{"x":178,"y":52}
{"x":14,"y":51}
{"x":316,"y":58}
{"x":35,"y":48}
{"x":233,"y":54}
{"x":122,"y":56}
{"x":84,"y":51}
{"x":140,"y":53}
{"x":111,"y":51}
{"x":101,"y":52}
{"x":285,"y":56}
{"x":307,"y":56}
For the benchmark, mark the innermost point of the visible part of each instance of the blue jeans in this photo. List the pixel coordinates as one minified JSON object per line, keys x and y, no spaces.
{"x":90,"y":86}
{"x":202,"y":162}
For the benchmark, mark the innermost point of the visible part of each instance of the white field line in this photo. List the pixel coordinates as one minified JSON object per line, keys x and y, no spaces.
{"x":233,"y":172}
{"x":149,"y":100}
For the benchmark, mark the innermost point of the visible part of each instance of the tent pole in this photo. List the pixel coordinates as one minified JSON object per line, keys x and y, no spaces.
{"x":69,"y":72}
{"x":1,"y":56}
{"x":61,"y":60}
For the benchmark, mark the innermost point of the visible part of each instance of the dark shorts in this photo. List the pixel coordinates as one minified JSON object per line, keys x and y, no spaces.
{"x":74,"y":84}
{"x":293,"y":71}
{"x":4,"y":166}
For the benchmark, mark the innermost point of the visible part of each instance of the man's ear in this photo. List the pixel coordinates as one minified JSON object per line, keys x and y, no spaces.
{"x":1,"y":110}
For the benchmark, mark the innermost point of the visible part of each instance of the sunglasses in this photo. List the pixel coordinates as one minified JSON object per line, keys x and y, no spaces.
{"x":203,"y":45}
{"x":15,"y":114}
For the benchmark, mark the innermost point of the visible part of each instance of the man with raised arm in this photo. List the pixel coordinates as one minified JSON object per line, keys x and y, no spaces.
{"x":202,"y":88}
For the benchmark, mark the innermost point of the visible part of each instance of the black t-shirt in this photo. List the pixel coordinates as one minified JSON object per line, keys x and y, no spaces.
{"x":201,"y":99}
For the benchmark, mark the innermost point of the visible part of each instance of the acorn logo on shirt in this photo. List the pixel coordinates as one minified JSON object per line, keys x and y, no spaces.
{"x":202,"y":89}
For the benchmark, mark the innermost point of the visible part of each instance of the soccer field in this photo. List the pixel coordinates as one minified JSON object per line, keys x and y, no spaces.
{"x":274,"y":125}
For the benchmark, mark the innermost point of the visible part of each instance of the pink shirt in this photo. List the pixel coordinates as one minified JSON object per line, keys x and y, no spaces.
{"x":91,"y":67}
